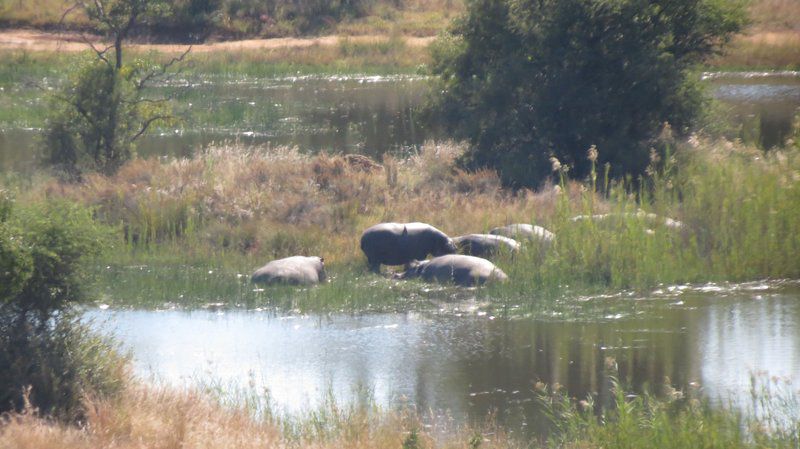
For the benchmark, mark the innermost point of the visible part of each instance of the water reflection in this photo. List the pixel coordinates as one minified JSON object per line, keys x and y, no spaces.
{"x":470,"y":365}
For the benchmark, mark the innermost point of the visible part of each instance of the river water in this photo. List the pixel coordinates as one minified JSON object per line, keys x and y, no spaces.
{"x":463,"y":362}
{"x":354,"y":114}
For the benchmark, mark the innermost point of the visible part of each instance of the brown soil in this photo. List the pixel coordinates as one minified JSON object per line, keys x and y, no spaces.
{"x":35,"y":40}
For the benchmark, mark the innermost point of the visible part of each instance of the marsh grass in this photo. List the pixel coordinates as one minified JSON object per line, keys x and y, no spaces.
{"x":164,"y":418}
{"x":671,"y":419}
{"x":230,"y":209}
{"x":218,"y":416}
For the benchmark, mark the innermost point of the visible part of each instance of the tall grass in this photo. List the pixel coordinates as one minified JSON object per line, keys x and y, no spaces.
{"x":232,"y":208}
{"x":153,"y":417}
{"x":673,"y":419}
{"x":148,"y":416}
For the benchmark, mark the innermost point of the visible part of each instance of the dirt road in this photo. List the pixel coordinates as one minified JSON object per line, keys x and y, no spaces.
{"x":34,"y":40}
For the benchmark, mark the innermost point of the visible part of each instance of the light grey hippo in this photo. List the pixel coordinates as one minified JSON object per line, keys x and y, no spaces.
{"x":525,"y":231}
{"x":401,"y":243}
{"x":485,"y":245}
{"x":295,"y":270}
{"x":457,"y":269}
{"x":650,"y":218}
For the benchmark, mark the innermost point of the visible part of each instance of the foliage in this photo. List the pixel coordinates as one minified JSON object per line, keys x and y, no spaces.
{"x":94,"y":123}
{"x":43,"y":255}
{"x":524,"y":80}
{"x":304,"y":16}
{"x":194,"y":18}
{"x":103,"y":109}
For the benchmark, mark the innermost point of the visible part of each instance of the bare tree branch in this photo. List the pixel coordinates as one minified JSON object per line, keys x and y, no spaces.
{"x":68,"y":11}
{"x":142,"y":83}
{"x":147,"y":124}
{"x":101,"y":54}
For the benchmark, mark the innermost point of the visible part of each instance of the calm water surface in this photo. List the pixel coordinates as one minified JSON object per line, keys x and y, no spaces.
{"x":469,"y":362}
{"x":354,"y":114}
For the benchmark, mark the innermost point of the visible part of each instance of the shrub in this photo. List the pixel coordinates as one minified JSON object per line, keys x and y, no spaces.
{"x":524,"y":80}
{"x":301,"y":16}
{"x":43,"y":346}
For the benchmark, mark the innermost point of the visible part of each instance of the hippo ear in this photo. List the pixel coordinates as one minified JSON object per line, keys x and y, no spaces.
{"x":322,"y":259}
{"x":405,"y":231}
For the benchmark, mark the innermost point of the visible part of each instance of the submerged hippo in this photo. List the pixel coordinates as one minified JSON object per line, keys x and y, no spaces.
{"x":524,"y":231}
{"x":457,"y":269}
{"x":485,"y":245}
{"x":401,"y":243}
{"x":295,"y":270}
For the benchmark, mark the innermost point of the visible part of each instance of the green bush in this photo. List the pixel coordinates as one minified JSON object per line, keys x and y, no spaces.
{"x":524,"y":80}
{"x":297,"y":16}
{"x":91,"y":127}
{"x":43,"y":346}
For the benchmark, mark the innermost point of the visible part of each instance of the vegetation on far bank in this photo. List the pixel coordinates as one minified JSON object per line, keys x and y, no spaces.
{"x":770,"y":42}
{"x":525,"y":81}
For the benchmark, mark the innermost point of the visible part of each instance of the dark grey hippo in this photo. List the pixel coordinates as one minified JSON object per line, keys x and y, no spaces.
{"x":401,"y":243}
{"x":457,"y":269}
{"x":295,"y":270}
{"x":485,"y":245}
{"x":524,"y":231}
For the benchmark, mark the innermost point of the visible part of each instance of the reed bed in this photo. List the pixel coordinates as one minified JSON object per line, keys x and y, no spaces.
{"x":159,"y":417}
{"x":231,"y":208}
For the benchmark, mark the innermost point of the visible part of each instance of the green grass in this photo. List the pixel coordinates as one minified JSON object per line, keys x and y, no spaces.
{"x":673,"y":419}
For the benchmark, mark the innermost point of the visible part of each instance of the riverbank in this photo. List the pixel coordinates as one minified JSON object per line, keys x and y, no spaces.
{"x":147,"y":416}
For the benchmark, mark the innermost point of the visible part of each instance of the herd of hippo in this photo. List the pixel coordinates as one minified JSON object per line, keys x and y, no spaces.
{"x":461,"y":260}
{"x":410,"y":244}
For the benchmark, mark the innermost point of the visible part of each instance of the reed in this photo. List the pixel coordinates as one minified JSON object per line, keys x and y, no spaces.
{"x":670,"y":419}
{"x":151,"y":416}
{"x":231,"y":208}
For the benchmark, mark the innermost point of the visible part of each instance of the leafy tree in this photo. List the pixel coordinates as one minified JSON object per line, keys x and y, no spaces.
{"x":524,"y":80}
{"x":103,"y":108}
{"x":44,"y":252}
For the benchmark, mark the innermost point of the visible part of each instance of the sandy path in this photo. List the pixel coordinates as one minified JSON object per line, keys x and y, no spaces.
{"x":34,"y":40}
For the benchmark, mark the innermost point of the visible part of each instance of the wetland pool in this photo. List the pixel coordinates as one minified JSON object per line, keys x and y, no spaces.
{"x":368,"y":115}
{"x":464,"y":362}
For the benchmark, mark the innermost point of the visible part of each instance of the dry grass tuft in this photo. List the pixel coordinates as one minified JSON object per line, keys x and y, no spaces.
{"x":150,"y":417}
{"x":268,"y":201}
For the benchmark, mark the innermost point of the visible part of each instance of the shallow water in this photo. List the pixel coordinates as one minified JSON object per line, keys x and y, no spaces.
{"x":465,"y":362}
{"x":764,"y":105}
{"x":356,"y":114}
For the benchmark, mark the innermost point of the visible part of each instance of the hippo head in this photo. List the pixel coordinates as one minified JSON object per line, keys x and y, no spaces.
{"x":414,"y":270}
{"x":444,"y":246}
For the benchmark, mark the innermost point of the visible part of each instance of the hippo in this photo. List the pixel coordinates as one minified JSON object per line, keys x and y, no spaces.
{"x":485,"y":245}
{"x":401,"y":243}
{"x":525,"y":231}
{"x":295,"y":270}
{"x":458,"y":269}
{"x":650,"y":218}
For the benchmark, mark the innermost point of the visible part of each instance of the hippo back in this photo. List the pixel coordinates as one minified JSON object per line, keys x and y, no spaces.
{"x":461,"y":270}
{"x":295,"y":270}
{"x":400,"y":243}
{"x":525,"y":231}
{"x":485,"y":245}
